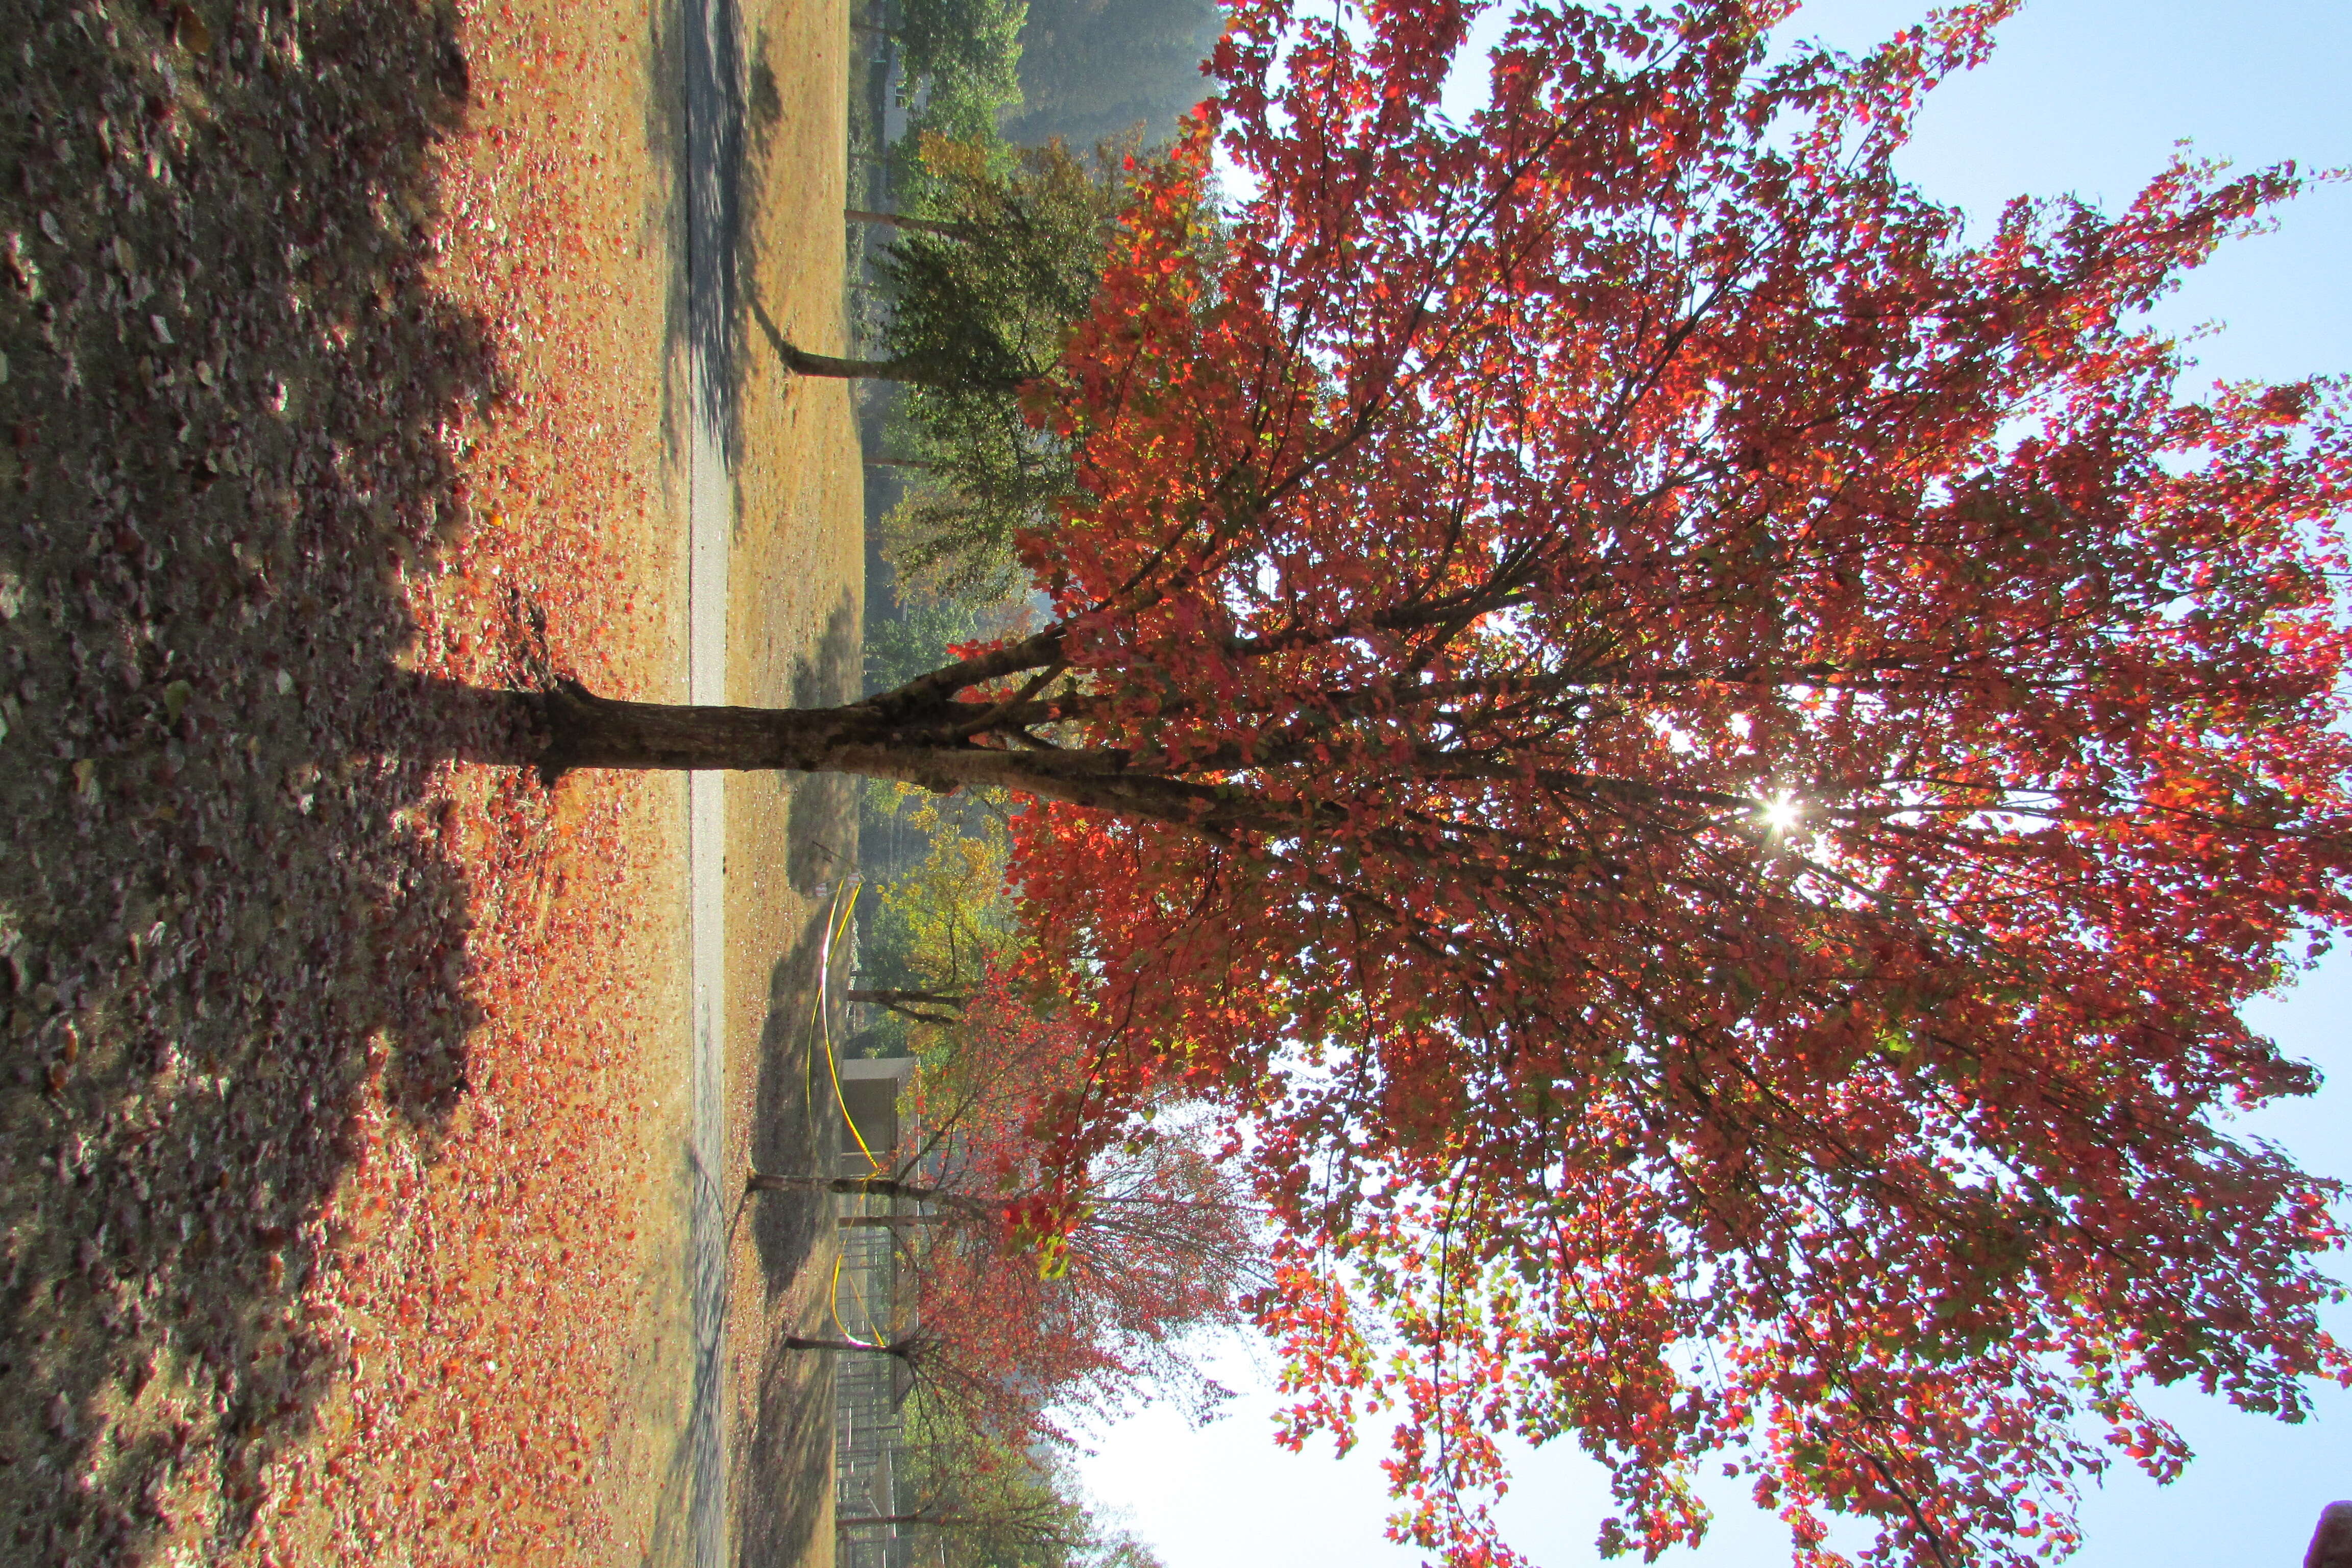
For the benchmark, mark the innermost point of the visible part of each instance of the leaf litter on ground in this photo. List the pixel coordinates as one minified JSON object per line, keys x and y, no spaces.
{"x":328,"y":1213}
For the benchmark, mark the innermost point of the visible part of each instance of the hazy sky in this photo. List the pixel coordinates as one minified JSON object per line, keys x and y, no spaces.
{"x":2088,"y":96}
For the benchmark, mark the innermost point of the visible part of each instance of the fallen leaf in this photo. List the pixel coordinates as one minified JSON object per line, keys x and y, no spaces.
{"x":188,"y":31}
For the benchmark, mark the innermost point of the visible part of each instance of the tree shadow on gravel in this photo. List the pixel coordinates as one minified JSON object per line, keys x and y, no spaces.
{"x":709,"y":169}
{"x":227,"y":904}
{"x":795,"y":1124}
{"x":821,"y":832}
{"x":786,"y":1479}
{"x":784,"y":1473}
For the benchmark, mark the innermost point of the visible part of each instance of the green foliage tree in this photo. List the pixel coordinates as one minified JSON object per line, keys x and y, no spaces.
{"x":918,"y":638}
{"x":935,"y":929}
{"x":992,"y":306}
{"x":989,"y":1504}
{"x":986,"y":281}
{"x":961,"y":62}
{"x":997,"y":252}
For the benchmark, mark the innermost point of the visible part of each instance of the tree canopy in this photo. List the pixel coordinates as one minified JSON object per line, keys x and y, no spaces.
{"x":1039,"y":1296}
{"x":1697,"y":764}
{"x":987,"y":1504}
{"x":960,"y":64}
{"x":982,"y":311}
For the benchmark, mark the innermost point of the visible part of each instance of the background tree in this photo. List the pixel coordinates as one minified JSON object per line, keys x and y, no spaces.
{"x":961,"y":68}
{"x":1041,"y":1295}
{"x":940,"y":927}
{"x":982,"y":297}
{"x":959,"y":63}
{"x":985,"y":1504}
{"x":1699,"y":765}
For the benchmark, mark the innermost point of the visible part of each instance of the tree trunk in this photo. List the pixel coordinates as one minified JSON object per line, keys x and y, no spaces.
{"x":896,"y":220}
{"x":918,"y":734}
{"x":2331,"y":1543}
{"x":912,"y":373}
{"x":892,"y":997}
{"x":580,"y":729}
{"x":853,"y":1187}
{"x":904,"y":735}
{"x":804,"y":363}
{"x":802,"y":1342}
{"x":887,"y":1221}
{"x":944,"y":1008}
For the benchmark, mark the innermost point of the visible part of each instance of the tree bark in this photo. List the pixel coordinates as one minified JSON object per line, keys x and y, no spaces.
{"x":898,"y":220}
{"x":804,"y":1342}
{"x":916,"y":735}
{"x":578,"y":728}
{"x":941,"y":1007}
{"x":912,"y":373}
{"x":854,"y":1186}
{"x":891,"y":997}
{"x":804,"y":363}
{"x":920,"y":733}
{"x":2331,"y":1543}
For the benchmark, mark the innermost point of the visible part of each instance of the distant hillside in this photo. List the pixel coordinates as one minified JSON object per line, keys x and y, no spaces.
{"x":1091,"y":69}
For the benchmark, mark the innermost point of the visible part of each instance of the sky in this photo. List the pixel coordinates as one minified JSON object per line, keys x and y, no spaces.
{"x":2087,"y":97}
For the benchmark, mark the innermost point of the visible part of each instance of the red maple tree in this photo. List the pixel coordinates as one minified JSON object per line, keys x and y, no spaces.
{"x":1042,"y":1294}
{"x":1703,"y":763}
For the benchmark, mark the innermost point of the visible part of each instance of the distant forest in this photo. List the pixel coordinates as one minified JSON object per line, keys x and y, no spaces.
{"x":1092,"y":69}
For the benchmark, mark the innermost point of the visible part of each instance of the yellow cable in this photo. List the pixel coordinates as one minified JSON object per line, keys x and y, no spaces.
{"x":824,"y":1019}
{"x":837,"y":1323}
{"x":832,"y":935}
{"x":838,"y":923}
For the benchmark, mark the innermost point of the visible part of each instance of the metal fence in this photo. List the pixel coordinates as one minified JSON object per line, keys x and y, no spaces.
{"x":873,"y":1305}
{"x":869,"y":1438}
